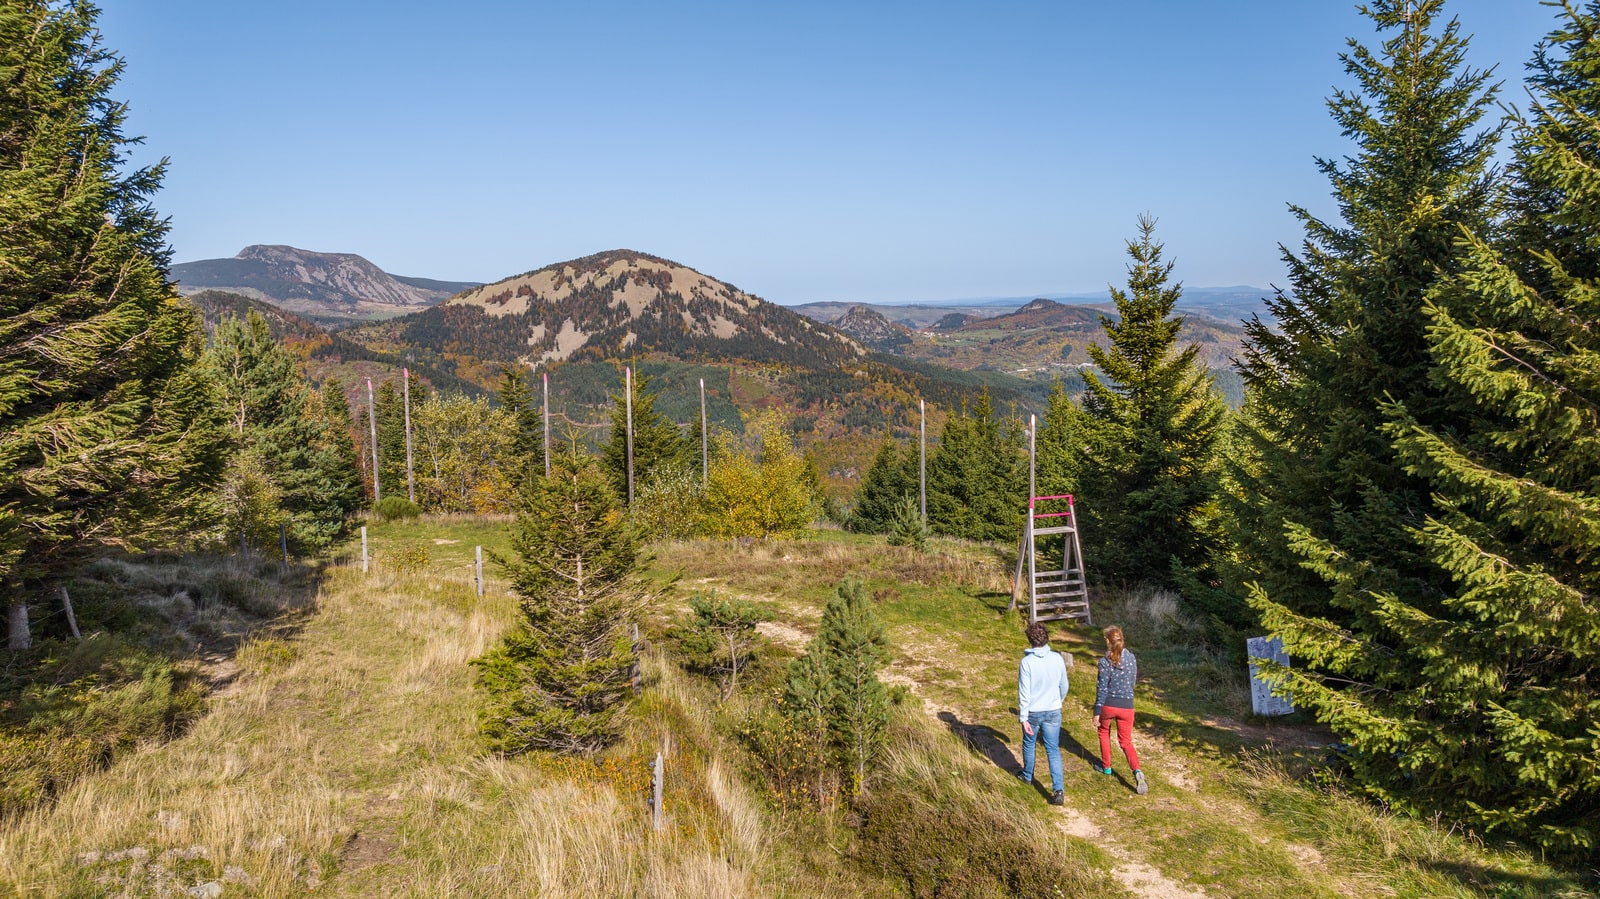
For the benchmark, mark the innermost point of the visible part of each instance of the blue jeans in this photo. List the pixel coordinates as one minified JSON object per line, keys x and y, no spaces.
{"x":1048,"y":726}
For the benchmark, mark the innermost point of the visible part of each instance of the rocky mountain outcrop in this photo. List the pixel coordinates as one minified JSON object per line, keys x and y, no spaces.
{"x":327,"y":287}
{"x":872,"y":329}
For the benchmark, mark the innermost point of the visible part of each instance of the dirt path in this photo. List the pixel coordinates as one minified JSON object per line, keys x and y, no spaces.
{"x":1138,"y":878}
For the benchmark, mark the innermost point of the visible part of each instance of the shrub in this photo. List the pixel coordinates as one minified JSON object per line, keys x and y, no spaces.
{"x":397,"y":508}
{"x":950,"y":846}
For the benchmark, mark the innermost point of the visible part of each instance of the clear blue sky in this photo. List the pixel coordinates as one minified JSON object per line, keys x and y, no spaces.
{"x":808,"y":151}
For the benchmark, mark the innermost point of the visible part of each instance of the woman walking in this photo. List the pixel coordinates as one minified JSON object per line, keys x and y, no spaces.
{"x":1113,"y":702}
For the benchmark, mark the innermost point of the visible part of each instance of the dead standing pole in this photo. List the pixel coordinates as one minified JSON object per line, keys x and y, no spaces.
{"x":705,"y":457}
{"x":372,"y":421}
{"x":627,"y":390}
{"x":411,"y":481}
{"x":546,"y":376}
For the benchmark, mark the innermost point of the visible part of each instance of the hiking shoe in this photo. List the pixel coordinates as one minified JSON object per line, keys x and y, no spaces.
{"x":1023,"y":776}
{"x":1139,"y":785}
{"x":1058,"y":798}
{"x":1106,"y":770}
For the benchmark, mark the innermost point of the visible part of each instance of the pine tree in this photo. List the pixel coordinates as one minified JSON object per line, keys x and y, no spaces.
{"x":561,"y":678}
{"x":279,"y":422}
{"x":1153,"y":417}
{"x":340,"y":460}
{"x":851,"y":645}
{"x":892,"y":478}
{"x":1351,"y":333}
{"x":656,"y":440}
{"x":389,"y":406}
{"x":527,"y":447}
{"x":1479,"y":700}
{"x":107,"y":433}
{"x":1061,"y":448}
{"x":977,"y":478}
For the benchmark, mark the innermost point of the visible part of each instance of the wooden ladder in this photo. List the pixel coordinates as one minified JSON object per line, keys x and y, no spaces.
{"x":1061,"y":594}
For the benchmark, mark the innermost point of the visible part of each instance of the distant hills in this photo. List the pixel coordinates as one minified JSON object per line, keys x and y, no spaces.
{"x":329,"y":288}
{"x":1225,"y":304}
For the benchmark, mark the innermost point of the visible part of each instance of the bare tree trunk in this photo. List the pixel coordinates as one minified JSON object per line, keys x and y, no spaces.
{"x":19,"y":637}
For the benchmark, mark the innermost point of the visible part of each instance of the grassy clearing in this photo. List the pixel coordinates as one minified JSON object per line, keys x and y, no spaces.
{"x":1231,"y":811}
{"x":342,"y":759}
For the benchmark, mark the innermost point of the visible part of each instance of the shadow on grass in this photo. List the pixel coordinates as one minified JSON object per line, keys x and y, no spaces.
{"x":1507,"y":883}
{"x":995,"y":746}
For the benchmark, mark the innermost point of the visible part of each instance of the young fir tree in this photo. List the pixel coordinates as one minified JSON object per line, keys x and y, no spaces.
{"x":977,"y":478}
{"x":561,"y":678}
{"x":892,"y":477}
{"x":1149,"y":481}
{"x":1350,"y":335}
{"x":108,"y":435}
{"x":1480,"y":701}
{"x":527,"y":447}
{"x":835,"y":685}
{"x":656,"y":440}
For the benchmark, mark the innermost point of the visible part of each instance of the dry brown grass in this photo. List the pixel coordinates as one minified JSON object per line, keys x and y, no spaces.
{"x":345,"y":762}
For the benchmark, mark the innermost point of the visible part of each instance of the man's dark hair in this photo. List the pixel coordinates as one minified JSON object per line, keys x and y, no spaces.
{"x":1036,"y":634}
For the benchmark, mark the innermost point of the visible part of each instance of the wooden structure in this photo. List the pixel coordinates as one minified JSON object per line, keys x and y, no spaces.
{"x":1060,"y":593}
{"x":1057,"y":594}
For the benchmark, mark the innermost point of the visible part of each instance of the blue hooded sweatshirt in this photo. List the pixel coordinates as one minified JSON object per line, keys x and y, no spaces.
{"x":1041,"y":681}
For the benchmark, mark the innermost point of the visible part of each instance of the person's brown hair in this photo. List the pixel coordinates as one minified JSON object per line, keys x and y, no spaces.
{"x":1114,"y":644}
{"x":1036,"y":634}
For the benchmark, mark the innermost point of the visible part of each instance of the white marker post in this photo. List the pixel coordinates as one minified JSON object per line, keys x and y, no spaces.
{"x":705,"y":456}
{"x":372,"y":420}
{"x":627,"y":391}
{"x":546,"y":424}
{"x":364,"y":563}
{"x":477,"y":568}
{"x":411,"y":481}
{"x":922,"y":459}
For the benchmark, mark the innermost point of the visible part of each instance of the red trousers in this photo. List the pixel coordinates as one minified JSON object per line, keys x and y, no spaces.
{"x":1124,"y":720}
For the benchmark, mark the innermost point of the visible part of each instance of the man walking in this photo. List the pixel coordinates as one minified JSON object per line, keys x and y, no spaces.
{"x":1041,"y":685}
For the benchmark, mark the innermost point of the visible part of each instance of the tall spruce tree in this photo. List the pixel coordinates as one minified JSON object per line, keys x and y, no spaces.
{"x":1061,"y":447}
{"x":976,"y":477}
{"x":560,"y":679}
{"x":107,"y":433}
{"x":527,"y":446}
{"x":346,"y":483}
{"x":1480,"y":700}
{"x":657,"y":442}
{"x":1351,"y":333}
{"x":892,"y":478}
{"x":280,"y":424}
{"x":1153,"y":417}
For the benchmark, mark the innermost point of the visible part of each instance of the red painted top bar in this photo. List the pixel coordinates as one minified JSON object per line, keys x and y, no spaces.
{"x":1062,"y":496}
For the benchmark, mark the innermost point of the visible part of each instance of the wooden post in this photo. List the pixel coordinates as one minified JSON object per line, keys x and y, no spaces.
{"x":372,"y":421}
{"x":705,"y":456}
{"x":655,"y":794}
{"x":411,"y":481}
{"x":922,"y":459}
{"x":1033,"y":600}
{"x":363,"y":549}
{"x":477,"y":568}
{"x":283,"y":544}
{"x":546,"y":424}
{"x":72,"y":620}
{"x":244,"y":549}
{"x":627,"y":395}
{"x":635,"y":676}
